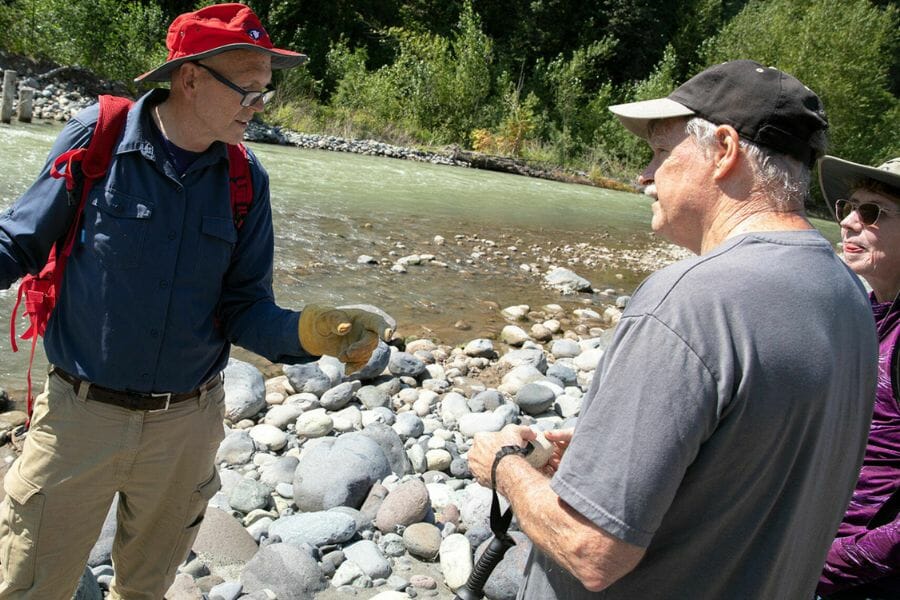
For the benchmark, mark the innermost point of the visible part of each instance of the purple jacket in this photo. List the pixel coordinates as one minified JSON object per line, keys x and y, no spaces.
{"x":863,"y":554}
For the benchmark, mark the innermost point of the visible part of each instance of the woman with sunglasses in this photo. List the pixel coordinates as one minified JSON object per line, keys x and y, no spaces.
{"x":864,"y":559}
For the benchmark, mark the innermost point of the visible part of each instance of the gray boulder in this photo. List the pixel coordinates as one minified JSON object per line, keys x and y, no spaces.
{"x":249,"y":495}
{"x":279,"y":471}
{"x":533,"y":357}
{"x":566,"y":375}
{"x":403,"y":364}
{"x":567,"y":281}
{"x":337,"y":397}
{"x":314,"y":528}
{"x":392,"y":446}
{"x":535,"y":398}
{"x":308,"y":378}
{"x":368,"y":557}
{"x":339,"y":472}
{"x":245,"y":391}
{"x":372,"y":397}
{"x":286,"y":570}
{"x":408,"y":425}
{"x":236,"y":448}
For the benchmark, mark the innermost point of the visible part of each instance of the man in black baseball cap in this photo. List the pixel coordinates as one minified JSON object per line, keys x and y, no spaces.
{"x":720,"y":439}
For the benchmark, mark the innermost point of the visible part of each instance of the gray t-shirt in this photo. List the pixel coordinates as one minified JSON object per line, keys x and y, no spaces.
{"x":725,"y":425}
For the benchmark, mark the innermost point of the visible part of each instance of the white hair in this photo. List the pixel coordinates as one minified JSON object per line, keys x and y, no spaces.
{"x":784,"y":179}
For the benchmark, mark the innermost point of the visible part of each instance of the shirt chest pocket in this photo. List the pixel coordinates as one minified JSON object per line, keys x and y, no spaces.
{"x":120,"y":228}
{"x":217,"y":240}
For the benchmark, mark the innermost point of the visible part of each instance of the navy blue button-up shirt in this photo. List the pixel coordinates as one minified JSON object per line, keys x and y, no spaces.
{"x":160,"y":282}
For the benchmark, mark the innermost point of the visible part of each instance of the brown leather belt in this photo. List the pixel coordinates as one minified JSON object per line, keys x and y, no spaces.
{"x":132,"y":400}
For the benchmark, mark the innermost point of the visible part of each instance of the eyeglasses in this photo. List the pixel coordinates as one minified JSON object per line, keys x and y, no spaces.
{"x":248,"y":98}
{"x":868,"y":212}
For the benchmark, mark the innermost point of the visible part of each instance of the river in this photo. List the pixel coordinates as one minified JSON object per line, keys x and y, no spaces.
{"x":501,"y":233}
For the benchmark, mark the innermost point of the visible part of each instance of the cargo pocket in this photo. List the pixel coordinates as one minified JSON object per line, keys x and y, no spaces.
{"x":195,"y":511}
{"x":20,"y":529}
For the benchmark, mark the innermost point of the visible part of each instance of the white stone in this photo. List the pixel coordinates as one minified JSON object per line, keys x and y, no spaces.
{"x":268,"y":436}
{"x":456,"y":560}
{"x":436,"y":443}
{"x":479,"y":347}
{"x":513,"y":335}
{"x":474,"y":423}
{"x":585,"y":313}
{"x":553,"y":325}
{"x":314,"y":424}
{"x":347,"y":419}
{"x":612,"y":315}
{"x":587,"y":361}
{"x":438,"y":460}
{"x":421,"y":407}
{"x":274,"y":398}
{"x":439,"y":495}
{"x":416,"y":455}
{"x":515,"y":313}
{"x":282,"y":415}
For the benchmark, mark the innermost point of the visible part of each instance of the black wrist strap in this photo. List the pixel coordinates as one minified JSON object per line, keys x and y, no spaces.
{"x":500,"y":522}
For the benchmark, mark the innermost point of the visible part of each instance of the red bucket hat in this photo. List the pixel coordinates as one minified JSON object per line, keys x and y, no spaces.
{"x":216,"y":29}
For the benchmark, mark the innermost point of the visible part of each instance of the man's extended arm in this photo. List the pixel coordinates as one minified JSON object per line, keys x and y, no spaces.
{"x":594,"y":557}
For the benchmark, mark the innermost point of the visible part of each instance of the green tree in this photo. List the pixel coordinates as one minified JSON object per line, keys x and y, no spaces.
{"x":118,"y":40}
{"x":842,"y":49}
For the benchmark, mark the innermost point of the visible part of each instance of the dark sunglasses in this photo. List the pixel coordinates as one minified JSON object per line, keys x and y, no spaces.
{"x":868,"y":212}
{"x":247,"y":98}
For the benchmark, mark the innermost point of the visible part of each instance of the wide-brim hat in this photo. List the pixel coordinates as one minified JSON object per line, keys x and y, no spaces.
{"x":838,"y":178}
{"x":216,"y":29}
{"x":764,"y":105}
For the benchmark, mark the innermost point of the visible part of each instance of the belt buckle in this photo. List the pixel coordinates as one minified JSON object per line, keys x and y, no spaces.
{"x":167,"y":396}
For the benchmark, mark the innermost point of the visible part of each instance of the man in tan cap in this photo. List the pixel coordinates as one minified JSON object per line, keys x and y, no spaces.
{"x":718,"y":443}
{"x":164,"y":278}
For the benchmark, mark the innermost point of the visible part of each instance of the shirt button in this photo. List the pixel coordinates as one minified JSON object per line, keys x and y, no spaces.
{"x":154,"y":333}
{"x":172,"y":235}
{"x":163,"y":284}
{"x":145,"y":376}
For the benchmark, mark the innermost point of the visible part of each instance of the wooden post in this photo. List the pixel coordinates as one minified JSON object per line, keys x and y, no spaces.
{"x":9,"y":92}
{"x":26,"y":100}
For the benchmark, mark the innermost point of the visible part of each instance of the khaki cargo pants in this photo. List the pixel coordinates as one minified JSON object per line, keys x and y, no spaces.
{"x":76,"y":456}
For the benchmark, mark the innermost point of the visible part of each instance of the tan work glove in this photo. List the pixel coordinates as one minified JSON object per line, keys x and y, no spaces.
{"x":350,"y":334}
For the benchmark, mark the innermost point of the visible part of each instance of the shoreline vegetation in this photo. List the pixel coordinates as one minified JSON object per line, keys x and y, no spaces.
{"x":526,"y":85}
{"x":61,"y":91}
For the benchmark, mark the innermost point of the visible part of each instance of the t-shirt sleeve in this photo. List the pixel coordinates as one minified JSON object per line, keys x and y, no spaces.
{"x":651,"y":405}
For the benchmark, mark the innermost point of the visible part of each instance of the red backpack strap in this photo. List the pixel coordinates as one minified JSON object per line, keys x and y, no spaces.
{"x":84,"y":165}
{"x":240,"y":182}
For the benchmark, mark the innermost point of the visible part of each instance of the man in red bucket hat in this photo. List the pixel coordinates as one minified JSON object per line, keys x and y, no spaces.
{"x":163,"y":278}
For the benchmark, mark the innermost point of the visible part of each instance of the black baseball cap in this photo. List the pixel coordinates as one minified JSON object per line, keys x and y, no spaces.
{"x":764,"y":105}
